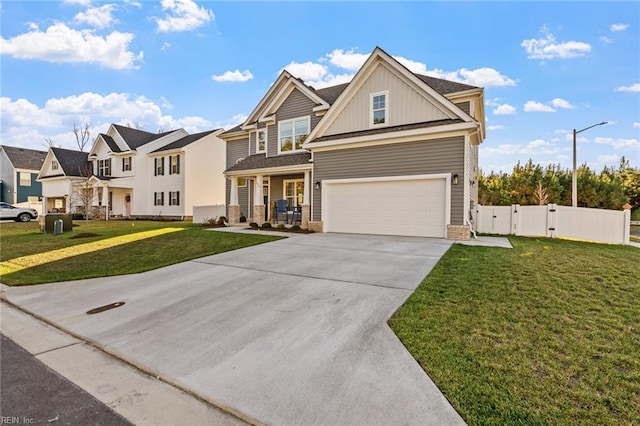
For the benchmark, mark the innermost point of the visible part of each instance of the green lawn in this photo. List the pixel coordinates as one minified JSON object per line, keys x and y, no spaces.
{"x":545,"y":333}
{"x":120,"y":247}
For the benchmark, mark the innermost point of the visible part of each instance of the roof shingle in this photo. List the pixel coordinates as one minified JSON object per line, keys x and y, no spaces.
{"x":23,"y":158}
{"x":136,"y":138}
{"x":261,"y":161}
{"x":182,"y":142}
{"x":73,"y":163}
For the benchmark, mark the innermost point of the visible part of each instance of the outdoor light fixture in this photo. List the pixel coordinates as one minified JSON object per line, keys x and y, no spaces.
{"x":317,"y":185}
{"x":455,"y":178}
{"x":574,"y":180}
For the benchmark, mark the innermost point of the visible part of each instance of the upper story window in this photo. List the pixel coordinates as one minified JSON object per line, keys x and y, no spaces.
{"x":292,"y":134}
{"x":126,"y":164}
{"x":158,"y":169}
{"x":104,"y":167}
{"x":379,"y":108}
{"x":174,"y":164}
{"x":261,"y":140}
{"x":54,"y":165}
{"x":25,"y":179}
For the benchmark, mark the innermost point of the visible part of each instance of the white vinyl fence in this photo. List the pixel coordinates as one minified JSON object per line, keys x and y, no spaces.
{"x":205,"y":213}
{"x":599,"y":225}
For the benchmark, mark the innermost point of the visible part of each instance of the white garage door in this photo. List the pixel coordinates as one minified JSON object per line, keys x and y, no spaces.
{"x":411,"y":206}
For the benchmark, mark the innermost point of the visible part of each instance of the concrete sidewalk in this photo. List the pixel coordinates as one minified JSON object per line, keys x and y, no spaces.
{"x":289,"y":332}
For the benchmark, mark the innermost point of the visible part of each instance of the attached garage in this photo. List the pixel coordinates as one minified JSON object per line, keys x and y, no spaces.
{"x":416,"y":205}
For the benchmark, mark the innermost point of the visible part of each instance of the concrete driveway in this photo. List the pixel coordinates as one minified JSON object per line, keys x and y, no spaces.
{"x":286,"y":333}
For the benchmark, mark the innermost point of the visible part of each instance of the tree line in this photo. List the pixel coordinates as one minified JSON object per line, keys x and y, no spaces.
{"x":533,"y":184}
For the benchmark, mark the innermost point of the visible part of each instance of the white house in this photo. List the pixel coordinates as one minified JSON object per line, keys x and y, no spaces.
{"x":140,"y":174}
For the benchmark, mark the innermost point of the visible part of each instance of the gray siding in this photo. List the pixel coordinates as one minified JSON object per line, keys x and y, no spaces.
{"x":465,"y":106}
{"x":7,"y":174}
{"x":236,"y":150}
{"x":413,"y":158}
{"x":296,"y":105}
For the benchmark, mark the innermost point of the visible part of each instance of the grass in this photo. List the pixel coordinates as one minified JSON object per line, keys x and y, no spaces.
{"x":545,"y":333}
{"x":120,"y":247}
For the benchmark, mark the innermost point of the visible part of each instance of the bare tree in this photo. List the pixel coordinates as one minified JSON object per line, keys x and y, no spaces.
{"x":83,"y":189}
{"x":82,"y":135}
{"x":541,"y":194}
{"x":49,"y":143}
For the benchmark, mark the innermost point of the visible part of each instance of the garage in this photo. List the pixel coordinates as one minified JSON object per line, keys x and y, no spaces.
{"x":408,"y":205}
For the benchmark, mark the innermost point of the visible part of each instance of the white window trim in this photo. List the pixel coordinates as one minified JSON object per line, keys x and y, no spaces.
{"x":284,"y":188}
{"x":265,"y":140}
{"x":54,"y":165}
{"x":293,"y":142}
{"x":386,"y":109}
{"x":28,"y":181}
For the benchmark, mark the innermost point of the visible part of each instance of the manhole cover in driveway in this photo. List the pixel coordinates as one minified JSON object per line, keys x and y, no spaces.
{"x":104,"y":308}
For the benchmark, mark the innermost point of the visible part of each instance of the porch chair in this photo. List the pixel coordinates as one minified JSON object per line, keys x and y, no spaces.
{"x":297,"y":215}
{"x":281,"y":209}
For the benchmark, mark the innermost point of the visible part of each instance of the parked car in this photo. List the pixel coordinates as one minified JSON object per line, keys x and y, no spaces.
{"x":19,"y":214}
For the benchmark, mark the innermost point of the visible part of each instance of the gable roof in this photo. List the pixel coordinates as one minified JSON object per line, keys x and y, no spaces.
{"x":72,"y":162}
{"x":113,"y":146}
{"x":23,"y":158}
{"x":445,"y":87}
{"x":135,"y":138}
{"x":182,"y":142}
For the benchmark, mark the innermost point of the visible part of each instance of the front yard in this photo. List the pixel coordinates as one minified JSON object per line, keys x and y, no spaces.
{"x":545,"y":333}
{"x":117,"y":247}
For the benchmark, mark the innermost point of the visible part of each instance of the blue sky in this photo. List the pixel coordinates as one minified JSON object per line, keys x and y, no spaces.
{"x":547,"y":67}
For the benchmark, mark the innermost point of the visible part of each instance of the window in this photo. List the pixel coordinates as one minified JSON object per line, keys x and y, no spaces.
{"x":294,"y":193}
{"x":158,"y":166}
{"x":379,"y":108}
{"x":54,"y":165}
{"x":174,"y":198}
{"x":242,"y":182}
{"x":104,"y":167}
{"x":174,"y":164}
{"x":261,"y":140}
{"x":158,"y":198}
{"x":25,"y":179}
{"x":292,"y":134}
{"x":126,"y":164}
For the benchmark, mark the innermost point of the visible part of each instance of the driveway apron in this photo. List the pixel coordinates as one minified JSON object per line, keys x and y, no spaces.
{"x":287,"y":333}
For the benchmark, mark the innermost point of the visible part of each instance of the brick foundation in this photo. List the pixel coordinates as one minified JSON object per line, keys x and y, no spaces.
{"x":258,"y":213}
{"x":306,"y":213}
{"x":315,"y":226}
{"x":458,"y":232}
{"x":234,"y":214}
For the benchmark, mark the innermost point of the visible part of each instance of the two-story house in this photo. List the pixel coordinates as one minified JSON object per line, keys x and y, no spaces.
{"x":141,"y":174}
{"x":391,"y":152}
{"x":19,"y":169}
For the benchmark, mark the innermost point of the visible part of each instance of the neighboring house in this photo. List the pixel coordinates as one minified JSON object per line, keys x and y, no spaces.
{"x":62,"y":171}
{"x":19,"y":169}
{"x":142,"y":174}
{"x":391,"y":152}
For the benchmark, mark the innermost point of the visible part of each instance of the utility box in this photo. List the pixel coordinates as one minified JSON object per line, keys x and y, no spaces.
{"x":58,"y":227}
{"x":48,"y":223}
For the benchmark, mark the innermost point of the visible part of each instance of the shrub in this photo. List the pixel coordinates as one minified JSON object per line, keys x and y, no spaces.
{"x":280,"y":226}
{"x":221,"y":221}
{"x":243,"y":218}
{"x":78,"y":216}
{"x":253,"y":225}
{"x":295,"y":228}
{"x":266,"y":225}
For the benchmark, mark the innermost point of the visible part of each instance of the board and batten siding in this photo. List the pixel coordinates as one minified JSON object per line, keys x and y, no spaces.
{"x":405,"y":104}
{"x":296,"y":105}
{"x":400,"y":159}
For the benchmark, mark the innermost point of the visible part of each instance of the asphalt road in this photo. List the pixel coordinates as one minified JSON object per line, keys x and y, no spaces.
{"x":32,"y":393}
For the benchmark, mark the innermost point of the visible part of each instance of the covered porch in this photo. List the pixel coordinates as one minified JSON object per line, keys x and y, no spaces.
{"x":110,"y":198}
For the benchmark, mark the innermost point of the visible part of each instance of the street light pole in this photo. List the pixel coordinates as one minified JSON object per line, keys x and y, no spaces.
{"x":574,"y":180}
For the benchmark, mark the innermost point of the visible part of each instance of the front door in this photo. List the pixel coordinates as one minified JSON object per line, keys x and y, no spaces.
{"x":127,"y":205}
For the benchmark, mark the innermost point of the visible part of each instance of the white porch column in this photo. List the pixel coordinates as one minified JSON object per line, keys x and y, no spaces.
{"x":258,"y":201}
{"x":105,"y":201}
{"x":234,"y":207}
{"x":44,"y":206}
{"x":233,"y":201}
{"x":306,"y":201}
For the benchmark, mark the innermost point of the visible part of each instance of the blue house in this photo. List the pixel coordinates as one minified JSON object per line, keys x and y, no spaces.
{"x":19,"y":168}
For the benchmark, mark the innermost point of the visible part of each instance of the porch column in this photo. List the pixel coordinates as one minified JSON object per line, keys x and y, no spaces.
{"x":105,"y":201}
{"x":306,"y":200}
{"x":234,"y":207}
{"x":44,"y":209}
{"x":258,"y":201}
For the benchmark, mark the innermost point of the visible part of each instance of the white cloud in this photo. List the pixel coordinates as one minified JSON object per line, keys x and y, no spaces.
{"x":316,"y":75}
{"x":605,"y":39}
{"x":635,"y":87}
{"x":495,"y":127}
{"x":97,"y":17}
{"x":533,"y":106}
{"x":27,"y":124}
{"x":60,"y":43}
{"x":349,"y":60}
{"x":618,"y":27}
{"x":618,"y":143}
{"x":79,"y":2}
{"x":534,"y":147}
{"x":133,"y":3}
{"x":636,"y":124}
{"x":231,"y":122}
{"x":483,"y":77}
{"x":165,"y":46}
{"x":548,"y":48}
{"x":183,"y":15}
{"x":233,"y":76}
{"x":561,"y":103}
{"x":504,"y":109}
{"x":413,"y":66}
